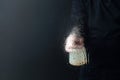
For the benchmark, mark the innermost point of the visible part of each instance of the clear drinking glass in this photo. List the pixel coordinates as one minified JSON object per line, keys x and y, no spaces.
{"x":78,"y":57}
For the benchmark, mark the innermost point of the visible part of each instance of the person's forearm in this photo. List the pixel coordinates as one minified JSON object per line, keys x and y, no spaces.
{"x":78,"y":16}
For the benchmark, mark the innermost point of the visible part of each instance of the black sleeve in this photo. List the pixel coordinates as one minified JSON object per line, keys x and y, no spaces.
{"x":79,"y":15}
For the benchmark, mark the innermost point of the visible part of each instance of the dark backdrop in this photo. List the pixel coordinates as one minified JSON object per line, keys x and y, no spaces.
{"x":31,"y":38}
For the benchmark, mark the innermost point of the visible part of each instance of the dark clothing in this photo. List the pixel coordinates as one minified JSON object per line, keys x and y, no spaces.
{"x":100,"y":20}
{"x":104,"y":64}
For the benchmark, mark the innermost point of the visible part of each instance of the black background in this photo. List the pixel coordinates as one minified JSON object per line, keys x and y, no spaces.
{"x":32,"y":34}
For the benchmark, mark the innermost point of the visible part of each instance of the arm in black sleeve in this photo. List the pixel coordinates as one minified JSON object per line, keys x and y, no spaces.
{"x":79,"y":15}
